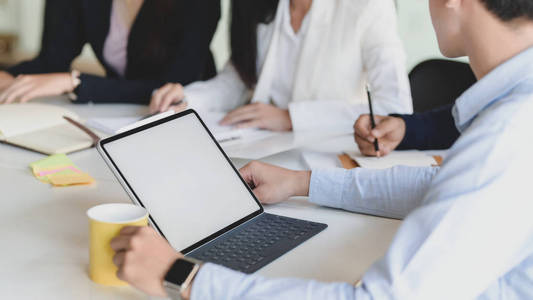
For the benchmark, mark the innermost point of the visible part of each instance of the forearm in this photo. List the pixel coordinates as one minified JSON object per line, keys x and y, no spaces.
{"x":111,"y":90}
{"x":430,"y":130}
{"x":391,"y":193}
{"x":216,"y":282}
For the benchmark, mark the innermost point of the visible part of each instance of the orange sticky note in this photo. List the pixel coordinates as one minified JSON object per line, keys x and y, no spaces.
{"x":62,"y":179}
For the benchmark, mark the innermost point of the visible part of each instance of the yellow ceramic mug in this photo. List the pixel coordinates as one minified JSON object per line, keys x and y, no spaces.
{"x":105,"y":222}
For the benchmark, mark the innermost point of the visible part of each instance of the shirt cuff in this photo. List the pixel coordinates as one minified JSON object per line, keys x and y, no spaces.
{"x":298,"y":119}
{"x":215,"y":282}
{"x":411,"y":137}
{"x":326,"y":187}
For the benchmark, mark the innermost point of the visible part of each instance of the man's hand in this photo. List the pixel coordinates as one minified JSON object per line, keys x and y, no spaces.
{"x":6,"y":80}
{"x":259,"y":115}
{"x":143,"y":258}
{"x":26,"y":87}
{"x":389,"y":131}
{"x":273,"y":184}
{"x":168,"y":97}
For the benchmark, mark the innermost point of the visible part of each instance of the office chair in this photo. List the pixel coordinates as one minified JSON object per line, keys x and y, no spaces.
{"x":439,"y":82}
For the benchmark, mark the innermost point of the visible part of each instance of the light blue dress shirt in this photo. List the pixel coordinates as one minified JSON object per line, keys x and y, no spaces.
{"x":468,"y":228}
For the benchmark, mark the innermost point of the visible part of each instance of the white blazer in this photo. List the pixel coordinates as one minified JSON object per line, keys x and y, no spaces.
{"x":349,"y":43}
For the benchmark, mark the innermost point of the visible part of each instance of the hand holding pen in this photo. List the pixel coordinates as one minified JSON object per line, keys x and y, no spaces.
{"x":378,"y":135}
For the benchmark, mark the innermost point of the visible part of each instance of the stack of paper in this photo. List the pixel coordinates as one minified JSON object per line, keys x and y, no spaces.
{"x":395,"y":158}
{"x":59,"y":170}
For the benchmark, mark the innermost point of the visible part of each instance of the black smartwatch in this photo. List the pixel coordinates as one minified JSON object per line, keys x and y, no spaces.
{"x":180,"y":276}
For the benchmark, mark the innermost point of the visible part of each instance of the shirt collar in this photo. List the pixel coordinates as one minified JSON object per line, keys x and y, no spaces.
{"x":492,"y":88}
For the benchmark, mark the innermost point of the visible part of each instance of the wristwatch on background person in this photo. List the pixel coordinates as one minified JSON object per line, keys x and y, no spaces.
{"x":76,"y":81}
{"x":180,"y":276}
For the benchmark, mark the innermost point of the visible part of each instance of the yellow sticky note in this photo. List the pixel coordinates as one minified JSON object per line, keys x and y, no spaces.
{"x":62,"y":179}
{"x":59,"y":170}
{"x":54,"y":162}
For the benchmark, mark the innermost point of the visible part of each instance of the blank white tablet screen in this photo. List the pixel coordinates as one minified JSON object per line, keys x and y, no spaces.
{"x":182,"y":178}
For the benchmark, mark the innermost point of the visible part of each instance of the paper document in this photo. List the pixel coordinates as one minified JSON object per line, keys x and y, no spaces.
{"x":396,"y":158}
{"x":116,"y":125}
{"x":230,"y":134}
{"x":110,"y":125}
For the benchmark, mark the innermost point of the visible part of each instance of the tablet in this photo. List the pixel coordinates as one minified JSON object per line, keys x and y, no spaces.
{"x":176,"y":170}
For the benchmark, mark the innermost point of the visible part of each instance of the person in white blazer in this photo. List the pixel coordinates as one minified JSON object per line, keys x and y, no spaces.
{"x":313,"y":60}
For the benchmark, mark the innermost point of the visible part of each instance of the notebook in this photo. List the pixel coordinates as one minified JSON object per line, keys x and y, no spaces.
{"x":41,"y":128}
{"x":412,"y":158}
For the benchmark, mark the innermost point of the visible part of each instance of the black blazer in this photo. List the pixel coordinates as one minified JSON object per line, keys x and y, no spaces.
{"x":183,"y":55}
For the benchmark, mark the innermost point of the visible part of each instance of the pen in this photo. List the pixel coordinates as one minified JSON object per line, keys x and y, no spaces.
{"x":376,"y":146}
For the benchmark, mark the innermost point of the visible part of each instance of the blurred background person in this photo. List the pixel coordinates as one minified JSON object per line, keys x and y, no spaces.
{"x":140,"y":44}
{"x":303,"y":64}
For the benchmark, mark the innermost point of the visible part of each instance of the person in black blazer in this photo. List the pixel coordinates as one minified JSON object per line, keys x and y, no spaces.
{"x":168,"y":42}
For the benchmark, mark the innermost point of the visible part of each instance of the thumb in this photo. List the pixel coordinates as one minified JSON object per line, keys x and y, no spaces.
{"x":246,"y":174}
{"x":385,"y":127}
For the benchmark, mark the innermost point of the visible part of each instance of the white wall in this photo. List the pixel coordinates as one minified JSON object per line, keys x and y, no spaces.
{"x":416,"y":31}
{"x":25,"y":18}
{"x":7,"y":17}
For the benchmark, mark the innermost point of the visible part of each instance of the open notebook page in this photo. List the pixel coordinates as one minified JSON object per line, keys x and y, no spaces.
{"x":410,"y":158}
{"x":17,"y":119}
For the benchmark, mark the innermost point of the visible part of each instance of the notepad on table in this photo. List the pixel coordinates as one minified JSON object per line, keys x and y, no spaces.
{"x":411,"y":158}
{"x":41,"y":128}
{"x":59,"y":170}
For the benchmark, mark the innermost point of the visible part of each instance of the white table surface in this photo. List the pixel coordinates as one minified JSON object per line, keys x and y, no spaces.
{"x":44,"y":230}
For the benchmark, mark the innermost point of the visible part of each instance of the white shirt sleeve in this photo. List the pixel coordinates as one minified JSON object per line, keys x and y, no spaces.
{"x":224,"y":92}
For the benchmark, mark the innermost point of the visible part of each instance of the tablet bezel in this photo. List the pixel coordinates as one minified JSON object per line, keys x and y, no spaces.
{"x":133,"y":196}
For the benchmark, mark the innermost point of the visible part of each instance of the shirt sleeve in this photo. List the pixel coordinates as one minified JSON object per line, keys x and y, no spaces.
{"x":216,"y":282}
{"x":430,"y":130}
{"x":391,"y":193}
{"x":338,"y":115}
{"x":224,"y":92}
